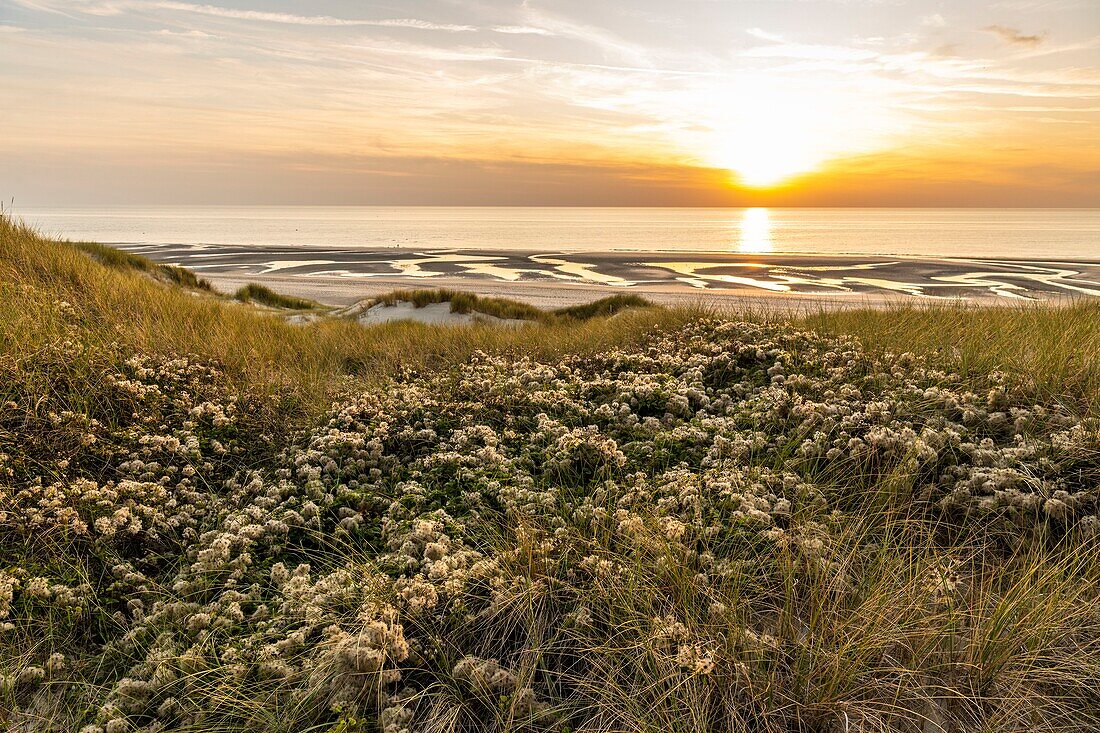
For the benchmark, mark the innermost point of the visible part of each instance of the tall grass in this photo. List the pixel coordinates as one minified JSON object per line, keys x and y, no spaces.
{"x":603,"y":307}
{"x":115,"y":301}
{"x":1055,"y":348}
{"x":463,"y":302}
{"x":254,"y":293}
{"x":123,"y":260}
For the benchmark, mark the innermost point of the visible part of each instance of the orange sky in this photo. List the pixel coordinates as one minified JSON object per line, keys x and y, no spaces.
{"x":700,"y":102}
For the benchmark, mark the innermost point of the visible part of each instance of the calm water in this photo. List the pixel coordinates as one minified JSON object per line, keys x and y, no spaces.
{"x":1006,"y":233}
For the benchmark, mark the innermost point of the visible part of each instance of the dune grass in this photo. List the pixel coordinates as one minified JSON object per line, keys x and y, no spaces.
{"x":254,"y":293}
{"x":657,"y":521}
{"x":464,"y":302}
{"x":113,"y":301}
{"x":1057,"y":349}
{"x":123,"y":260}
{"x":608,"y":306}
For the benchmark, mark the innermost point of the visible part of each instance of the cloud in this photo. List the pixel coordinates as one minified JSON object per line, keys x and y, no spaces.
{"x":421,"y":24}
{"x":935,"y":20}
{"x":311,"y":20}
{"x":521,"y":30}
{"x":1012,"y":35}
{"x":434,"y":53}
{"x":764,"y":35}
{"x":117,"y":7}
{"x":183,"y":34}
{"x":87,"y":7}
{"x":606,"y":41}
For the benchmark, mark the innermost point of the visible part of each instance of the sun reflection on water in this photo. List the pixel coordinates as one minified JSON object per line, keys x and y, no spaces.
{"x":756,"y":231}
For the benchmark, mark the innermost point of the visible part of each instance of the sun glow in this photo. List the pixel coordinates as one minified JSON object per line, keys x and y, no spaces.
{"x":762,"y":155}
{"x":766,"y":132}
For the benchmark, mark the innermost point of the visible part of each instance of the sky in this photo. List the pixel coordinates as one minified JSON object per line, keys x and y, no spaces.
{"x":551,"y":102}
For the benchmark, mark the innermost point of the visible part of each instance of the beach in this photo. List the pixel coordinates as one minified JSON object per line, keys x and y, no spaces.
{"x":782,"y":258}
{"x":343,"y":275}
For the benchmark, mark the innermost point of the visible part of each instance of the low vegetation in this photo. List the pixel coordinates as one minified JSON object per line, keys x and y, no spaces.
{"x":608,"y":306}
{"x":1056,"y":349}
{"x":253,"y":293}
{"x":463,"y":302}
{"x":211,"y":520}
{"x":123,"y":260}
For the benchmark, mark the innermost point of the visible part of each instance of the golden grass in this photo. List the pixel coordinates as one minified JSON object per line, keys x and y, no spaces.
{"x":254,"y":293}
{"x":115,"y":301}
{"x":1055,"y":348}
{"x":463,"y":302}
{"x":122,"y":260}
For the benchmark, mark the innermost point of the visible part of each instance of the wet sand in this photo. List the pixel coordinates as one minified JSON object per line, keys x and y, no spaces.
{"x":340,"y":276}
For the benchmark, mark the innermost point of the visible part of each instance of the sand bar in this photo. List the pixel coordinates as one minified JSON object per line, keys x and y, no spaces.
{"x":344,"y":275}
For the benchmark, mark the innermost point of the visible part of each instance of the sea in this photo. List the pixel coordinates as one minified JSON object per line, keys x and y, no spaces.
{"x":1019,"y":234}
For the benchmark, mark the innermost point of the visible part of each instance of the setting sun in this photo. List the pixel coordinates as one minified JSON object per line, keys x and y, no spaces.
{"x":765,"y":162}
{"x":763,"y":140}
{"x":767,"y":129}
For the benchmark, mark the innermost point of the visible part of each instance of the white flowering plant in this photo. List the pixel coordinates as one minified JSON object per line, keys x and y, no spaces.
{"x":733,"y":527}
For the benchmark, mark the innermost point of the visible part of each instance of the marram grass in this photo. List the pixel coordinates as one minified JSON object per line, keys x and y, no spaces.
{"x":665,"y":521}
{"x":462,"y":302}
{"x":1057,"y":349}
{"x":254,"y":293}
{"x":126,"y":306}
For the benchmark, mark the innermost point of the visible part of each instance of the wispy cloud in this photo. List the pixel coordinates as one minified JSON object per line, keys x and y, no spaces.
{"x":193,"y":33}
{"x":764,"y":35}
{"x":1012,"y":35}
{"x":118,"y":7}
{"x":309,"y":20}
{"x":435,"y":53}
{"x":521,"y":30}
{"x":601,"y":38}
{"x":421,"y":24}
{"x":501,"y":80}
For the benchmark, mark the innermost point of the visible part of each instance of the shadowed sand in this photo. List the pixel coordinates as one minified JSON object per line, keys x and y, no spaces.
{"x":342,"y":276}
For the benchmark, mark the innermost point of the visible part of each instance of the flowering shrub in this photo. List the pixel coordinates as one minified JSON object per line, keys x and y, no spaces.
{"x":517,"y":545}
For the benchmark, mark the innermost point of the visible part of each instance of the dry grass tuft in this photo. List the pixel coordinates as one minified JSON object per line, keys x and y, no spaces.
{"x":1055,"y":348}
{"x":463,"y":302}
{"x":119,"y":303}
{"x":253,"y":293}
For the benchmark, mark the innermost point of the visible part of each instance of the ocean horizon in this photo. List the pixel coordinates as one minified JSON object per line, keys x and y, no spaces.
{"x":1023,"y":234}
